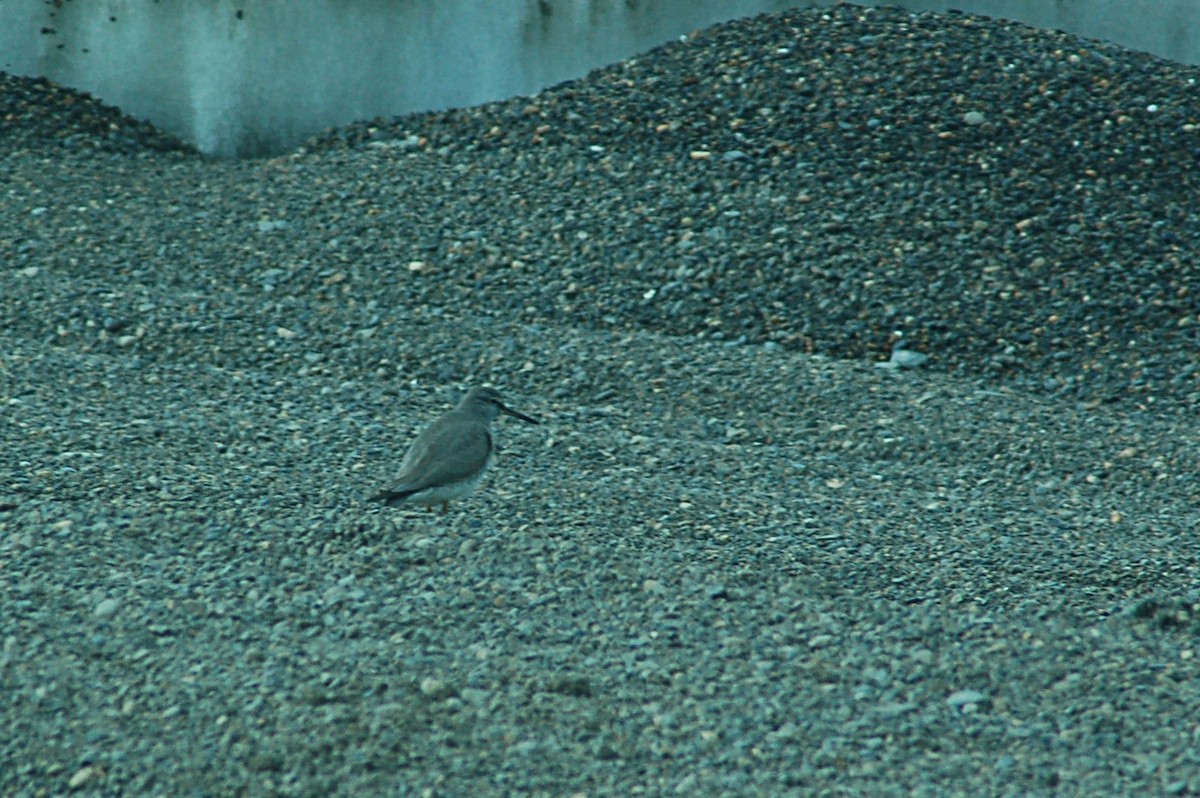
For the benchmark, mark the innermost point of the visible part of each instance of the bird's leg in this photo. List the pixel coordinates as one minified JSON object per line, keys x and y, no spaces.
{"x":445,"y":507}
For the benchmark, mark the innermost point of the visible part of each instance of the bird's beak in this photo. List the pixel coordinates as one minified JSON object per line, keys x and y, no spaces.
{"x":515,"y":414}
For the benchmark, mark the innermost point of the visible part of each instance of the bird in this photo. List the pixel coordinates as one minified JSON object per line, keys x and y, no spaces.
{"x":447,"y":460}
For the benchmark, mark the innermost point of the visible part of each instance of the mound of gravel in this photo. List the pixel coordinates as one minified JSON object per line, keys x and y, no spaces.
{"x":1020,"y":203}
{"x":736,"y":558}
{"x":38,"y":114}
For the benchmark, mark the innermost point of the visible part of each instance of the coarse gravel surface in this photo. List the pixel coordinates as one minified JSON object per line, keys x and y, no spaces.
{"x":737,"y":557}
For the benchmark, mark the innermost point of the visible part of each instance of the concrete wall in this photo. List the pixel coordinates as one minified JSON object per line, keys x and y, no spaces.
{"x":251,"y":77}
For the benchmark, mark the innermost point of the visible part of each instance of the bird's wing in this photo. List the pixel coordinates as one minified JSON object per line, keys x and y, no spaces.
{"x":444,"y":455}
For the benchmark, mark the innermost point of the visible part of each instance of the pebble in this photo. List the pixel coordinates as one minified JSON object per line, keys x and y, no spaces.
{"x":964,"y":698}
{"x":82,"y":777}
{"x":107,"y":608}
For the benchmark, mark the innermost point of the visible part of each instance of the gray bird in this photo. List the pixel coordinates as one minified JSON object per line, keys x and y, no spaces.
{"x":448,"y":459}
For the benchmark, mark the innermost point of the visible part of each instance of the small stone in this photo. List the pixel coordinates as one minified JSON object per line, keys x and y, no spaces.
{"x":82,"y":777}
{"x":963,"y":698}
{"x":974,"y":118}
{"x":475,"y":697}
{"x":107,"y":608}
{"x":434,"y":688}
{"x":716,"y":591}
{"x":526,"y":748}
{"x":904,"y":359}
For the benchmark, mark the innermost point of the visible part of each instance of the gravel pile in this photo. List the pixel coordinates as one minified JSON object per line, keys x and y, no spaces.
{"x":736,"y":558}
{"x":1020,"y":203}
{"x":38,"y":114}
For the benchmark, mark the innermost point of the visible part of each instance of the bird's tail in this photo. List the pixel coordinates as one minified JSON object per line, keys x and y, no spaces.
{"x":393,"y":496}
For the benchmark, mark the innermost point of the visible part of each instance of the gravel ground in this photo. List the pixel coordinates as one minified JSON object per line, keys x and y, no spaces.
{"x":736,"y":558}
